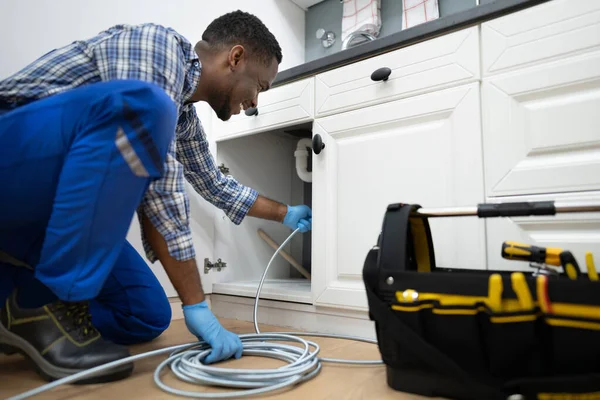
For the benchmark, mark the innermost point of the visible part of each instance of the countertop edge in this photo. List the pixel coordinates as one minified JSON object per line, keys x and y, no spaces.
{"x":429,"y":30}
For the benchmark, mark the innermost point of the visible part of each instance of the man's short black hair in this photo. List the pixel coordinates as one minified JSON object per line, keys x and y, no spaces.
{"x":239,"y":27}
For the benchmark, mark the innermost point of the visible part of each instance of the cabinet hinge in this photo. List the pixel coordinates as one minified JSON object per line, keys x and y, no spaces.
{"x":217,"y":265}
{"x":224,"y":169}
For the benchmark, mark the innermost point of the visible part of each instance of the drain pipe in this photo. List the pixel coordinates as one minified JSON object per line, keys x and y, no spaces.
{"x":301,"y":155}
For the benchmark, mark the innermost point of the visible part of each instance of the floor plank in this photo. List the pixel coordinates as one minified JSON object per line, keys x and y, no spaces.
{"x":335,"y":380}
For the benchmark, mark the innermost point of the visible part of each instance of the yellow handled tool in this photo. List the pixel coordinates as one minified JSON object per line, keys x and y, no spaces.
{"x":542,"y":255}
{"x":525,"y":252}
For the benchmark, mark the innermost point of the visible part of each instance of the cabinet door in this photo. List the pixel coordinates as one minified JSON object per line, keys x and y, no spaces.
{"x":448,"y":60}
{"x":424,"y":150}
{"x":541,"y":128}
{"x":282,"y":106}
{"x":576,"y":232}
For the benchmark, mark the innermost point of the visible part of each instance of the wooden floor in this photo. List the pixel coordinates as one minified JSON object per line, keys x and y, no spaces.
{"x":334,"y":382}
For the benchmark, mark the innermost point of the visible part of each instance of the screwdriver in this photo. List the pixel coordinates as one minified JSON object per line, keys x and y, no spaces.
{"x":525,"y":252}
{"x":542,"y":255}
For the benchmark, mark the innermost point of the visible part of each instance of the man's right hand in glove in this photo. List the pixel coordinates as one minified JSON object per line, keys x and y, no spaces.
{"x":200,"y":321}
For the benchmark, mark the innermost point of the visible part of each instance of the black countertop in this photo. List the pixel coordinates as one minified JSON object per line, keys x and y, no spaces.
{"x":406,"y":37}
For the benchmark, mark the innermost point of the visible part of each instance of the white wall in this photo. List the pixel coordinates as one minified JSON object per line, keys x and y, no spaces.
{"x":30,"y":28}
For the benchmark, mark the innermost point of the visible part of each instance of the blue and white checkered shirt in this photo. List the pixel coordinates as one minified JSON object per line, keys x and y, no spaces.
{"x":157,"y":54}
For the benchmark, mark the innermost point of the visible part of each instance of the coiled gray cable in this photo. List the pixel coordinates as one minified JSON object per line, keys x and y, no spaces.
{"x":185,"y":361}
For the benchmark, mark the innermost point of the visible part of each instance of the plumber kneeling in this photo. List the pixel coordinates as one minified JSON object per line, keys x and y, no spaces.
{"x":92,"y":133}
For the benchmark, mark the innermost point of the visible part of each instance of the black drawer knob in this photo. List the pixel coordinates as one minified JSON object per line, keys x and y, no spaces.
{"x":251,"y":111}
{"x":381,"y":74}
{"x":317,"y":144}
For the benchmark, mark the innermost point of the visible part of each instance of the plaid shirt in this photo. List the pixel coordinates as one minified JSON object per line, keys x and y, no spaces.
{"x":152,"y":53}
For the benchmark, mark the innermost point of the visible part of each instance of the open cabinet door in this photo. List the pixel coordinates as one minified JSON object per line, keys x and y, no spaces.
{"x":202,"y":217}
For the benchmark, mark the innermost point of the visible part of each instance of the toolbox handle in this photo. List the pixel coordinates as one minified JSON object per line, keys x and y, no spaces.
{"x":511,"y":209}
{"x":520,"y":209}
{"x":397,"y":242}
{"x":405,"y":242}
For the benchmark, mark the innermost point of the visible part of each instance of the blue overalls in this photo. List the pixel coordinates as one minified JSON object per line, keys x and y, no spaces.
{"x":73,"y":169}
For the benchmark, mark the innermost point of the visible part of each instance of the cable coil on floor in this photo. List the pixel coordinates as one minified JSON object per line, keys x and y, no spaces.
{"x":185,"y":361}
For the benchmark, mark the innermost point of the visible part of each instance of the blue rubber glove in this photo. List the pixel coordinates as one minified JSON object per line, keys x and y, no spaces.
{"x":298,"y":217}
{"x":200,"y":321}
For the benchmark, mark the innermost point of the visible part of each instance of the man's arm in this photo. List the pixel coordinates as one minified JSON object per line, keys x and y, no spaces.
{"x":266,"y":208}
{"x":183,"y":274}
{"x":223,"y":191}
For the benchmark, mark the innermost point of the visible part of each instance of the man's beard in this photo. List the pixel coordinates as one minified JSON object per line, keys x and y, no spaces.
{"x":224,"y":112}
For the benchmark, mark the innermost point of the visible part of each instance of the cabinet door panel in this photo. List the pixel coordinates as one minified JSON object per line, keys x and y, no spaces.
{"x":424,"y":150}
{"x":540,"y":128}
{"x":553,"y":30}
{"x":451,"y":59}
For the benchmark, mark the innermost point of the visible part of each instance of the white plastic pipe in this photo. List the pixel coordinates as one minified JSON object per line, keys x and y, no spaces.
{"x":301,"y":155}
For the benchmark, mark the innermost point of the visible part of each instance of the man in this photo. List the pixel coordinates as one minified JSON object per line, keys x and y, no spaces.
{"x":92,"y":132}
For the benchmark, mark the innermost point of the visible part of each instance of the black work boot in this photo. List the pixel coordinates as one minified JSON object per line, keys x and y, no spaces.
{"x":60,"y":340}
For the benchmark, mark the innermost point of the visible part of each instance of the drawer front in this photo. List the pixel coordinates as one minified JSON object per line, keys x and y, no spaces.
{"x":556,"y":29}
{"x":576,"y":232}
{"x":540,"y":128}
{"x":434,"y":64}
{"x":279,"y":107}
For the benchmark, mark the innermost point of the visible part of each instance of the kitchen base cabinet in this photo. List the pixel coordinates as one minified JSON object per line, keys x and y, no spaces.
{"x":265,"y":162}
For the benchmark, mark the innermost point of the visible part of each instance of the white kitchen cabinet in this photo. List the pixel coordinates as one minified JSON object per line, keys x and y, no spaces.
{"x":278,"y":107}
{"x":448,"y":60}
{"x":558,"y":29}
{"x":505,"y":111}
{"x":541,"y":128}
{"x":265,"y":162}
{"x":578,"y":233}
{"x":425,"y":149}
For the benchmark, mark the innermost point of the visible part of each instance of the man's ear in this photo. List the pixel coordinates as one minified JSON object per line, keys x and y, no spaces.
{"x":236,"y":56}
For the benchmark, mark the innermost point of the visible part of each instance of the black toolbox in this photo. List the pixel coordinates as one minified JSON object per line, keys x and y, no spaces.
{"x":481,"y":334}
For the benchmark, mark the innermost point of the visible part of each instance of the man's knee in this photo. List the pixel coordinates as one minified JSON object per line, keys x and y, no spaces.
{"x":134,"y":324}
{"x":159,"y":315}
{"x":153,"y":322}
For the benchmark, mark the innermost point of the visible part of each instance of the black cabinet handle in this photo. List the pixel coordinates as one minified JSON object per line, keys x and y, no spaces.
{"x":381,"y":74}
{"x":251,"y":111}
{"x":317,"y":144}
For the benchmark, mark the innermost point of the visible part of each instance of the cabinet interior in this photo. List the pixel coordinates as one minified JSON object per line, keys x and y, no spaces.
{"x":266,"y":162}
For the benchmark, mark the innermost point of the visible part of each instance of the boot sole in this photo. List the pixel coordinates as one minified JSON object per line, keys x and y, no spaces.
{"x":12,"y":344}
